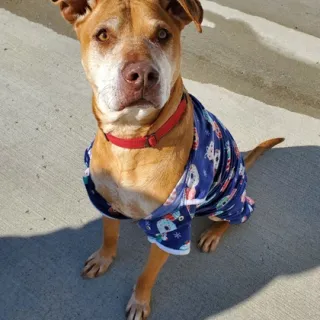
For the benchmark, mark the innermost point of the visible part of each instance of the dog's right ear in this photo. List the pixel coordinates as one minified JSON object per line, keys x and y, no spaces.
{"x":186,"y":11}
{"x":71,"y":10}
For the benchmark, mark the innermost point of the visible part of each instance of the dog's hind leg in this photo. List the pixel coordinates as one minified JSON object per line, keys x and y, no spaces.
{"x":99,"y":262}
{"x":210,"y":239}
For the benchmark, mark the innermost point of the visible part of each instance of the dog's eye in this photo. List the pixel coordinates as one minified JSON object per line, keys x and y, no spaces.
{"x":102,"y":35}
{"x":163,"y":34}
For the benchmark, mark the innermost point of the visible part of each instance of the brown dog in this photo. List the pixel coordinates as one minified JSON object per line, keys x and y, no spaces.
{"x":131,"y":54}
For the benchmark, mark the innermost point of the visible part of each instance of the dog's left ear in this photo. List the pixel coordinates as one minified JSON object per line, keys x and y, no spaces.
{"x":72,"y":10}
{"x":186,"y":11}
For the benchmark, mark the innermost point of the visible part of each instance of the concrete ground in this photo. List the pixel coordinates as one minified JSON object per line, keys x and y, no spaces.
{"x":256,"y":66}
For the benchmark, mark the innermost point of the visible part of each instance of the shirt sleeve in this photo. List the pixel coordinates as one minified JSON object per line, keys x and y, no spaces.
{"x":171,"y":233}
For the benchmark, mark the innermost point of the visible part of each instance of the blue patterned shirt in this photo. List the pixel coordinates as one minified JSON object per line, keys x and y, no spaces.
{"x":213,"y":184}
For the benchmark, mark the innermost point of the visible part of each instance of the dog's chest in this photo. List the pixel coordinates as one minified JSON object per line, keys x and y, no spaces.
{"x":124,"y":195}
{"x":134,"y":189}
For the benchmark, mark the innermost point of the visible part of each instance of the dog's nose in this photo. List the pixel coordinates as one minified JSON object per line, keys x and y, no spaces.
{"x":140,"y":75}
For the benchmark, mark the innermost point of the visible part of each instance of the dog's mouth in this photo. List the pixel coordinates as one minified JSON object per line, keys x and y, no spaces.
{"x":141,"y":101}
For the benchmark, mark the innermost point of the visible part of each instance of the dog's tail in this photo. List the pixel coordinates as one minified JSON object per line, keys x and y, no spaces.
{"x":254,"y":154}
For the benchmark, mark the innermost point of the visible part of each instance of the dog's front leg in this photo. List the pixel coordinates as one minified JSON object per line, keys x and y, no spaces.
{"x":138,"y":307}
{"x":99,"y":262}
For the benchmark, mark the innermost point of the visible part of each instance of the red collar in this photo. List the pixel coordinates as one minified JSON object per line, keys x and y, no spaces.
{"x":152,"y":139}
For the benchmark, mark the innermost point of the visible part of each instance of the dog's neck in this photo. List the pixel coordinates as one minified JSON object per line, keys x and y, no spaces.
{"x":137,"y":123}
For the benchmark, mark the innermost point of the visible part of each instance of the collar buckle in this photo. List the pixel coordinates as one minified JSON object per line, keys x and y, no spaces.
{"x":151,"y":141}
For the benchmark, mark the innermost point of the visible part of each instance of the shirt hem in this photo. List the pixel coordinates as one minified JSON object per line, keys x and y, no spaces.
{"x":169,"y":250}
{"x":105,"y":215}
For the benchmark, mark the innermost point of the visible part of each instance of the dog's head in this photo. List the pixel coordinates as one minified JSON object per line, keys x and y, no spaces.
{"x":130,"y":50}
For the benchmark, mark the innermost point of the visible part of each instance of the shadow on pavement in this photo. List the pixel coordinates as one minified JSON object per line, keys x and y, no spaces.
{"x":40,"y":275}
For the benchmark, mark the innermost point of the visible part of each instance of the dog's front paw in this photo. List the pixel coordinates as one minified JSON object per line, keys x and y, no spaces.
{"x":136,"y":309}
{"x":97,"y":264}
